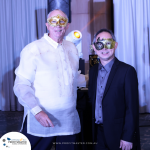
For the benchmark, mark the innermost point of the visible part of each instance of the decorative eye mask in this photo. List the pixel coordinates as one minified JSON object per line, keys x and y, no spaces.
{"x":104,"y":43}
{"x":57,"y":20}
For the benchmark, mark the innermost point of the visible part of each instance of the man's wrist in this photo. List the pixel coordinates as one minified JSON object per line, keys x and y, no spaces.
{"x":35,"y":110}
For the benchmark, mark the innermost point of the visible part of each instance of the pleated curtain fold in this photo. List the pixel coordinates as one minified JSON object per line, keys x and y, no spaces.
{"x":21,"y":22}
{"x":132,"y":30}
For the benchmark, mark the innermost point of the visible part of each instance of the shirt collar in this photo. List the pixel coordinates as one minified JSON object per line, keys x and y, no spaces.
{"x":108,"y":66}
{"x":51,"y":41}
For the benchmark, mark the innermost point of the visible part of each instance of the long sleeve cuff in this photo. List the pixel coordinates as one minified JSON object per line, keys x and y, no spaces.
{"x":35,"y":110}
{"x":81,"y":81}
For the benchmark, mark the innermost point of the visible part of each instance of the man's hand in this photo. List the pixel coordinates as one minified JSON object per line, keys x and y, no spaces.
{"x":125,"y":145}
{"x":43,"y":119}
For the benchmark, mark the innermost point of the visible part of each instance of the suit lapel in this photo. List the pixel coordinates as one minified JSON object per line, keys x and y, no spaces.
{"x":111,"y":75}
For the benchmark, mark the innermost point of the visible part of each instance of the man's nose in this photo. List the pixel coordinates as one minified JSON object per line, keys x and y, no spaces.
{"x":105,"y":48}
{"x":58,"y":24}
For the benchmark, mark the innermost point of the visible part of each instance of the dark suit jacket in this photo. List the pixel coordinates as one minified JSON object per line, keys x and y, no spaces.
{"x":120,"y":104}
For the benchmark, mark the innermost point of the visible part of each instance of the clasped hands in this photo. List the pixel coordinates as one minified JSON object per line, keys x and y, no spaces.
{"x":43,"y":119}
{"x":125,"y":145}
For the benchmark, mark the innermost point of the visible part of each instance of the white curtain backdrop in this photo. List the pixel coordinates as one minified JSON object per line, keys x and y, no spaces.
{"x":21,"y":22}
{"x":132,"y":31}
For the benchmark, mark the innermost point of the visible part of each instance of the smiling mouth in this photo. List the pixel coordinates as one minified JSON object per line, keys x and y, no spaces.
{"x":58,"y":30}
{"x":105,"y":53}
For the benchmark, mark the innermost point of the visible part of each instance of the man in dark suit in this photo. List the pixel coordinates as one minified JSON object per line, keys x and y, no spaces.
{"x":113,"y":93}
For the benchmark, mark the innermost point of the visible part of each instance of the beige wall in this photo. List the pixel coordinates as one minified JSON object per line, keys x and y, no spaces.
{"x":88,"y":16}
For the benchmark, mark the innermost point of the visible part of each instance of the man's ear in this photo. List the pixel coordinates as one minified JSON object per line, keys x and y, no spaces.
{"x":94,"y":47}
{"x":67,"y":26}
{"x":116,"y":45}
{"x":46,"y":24}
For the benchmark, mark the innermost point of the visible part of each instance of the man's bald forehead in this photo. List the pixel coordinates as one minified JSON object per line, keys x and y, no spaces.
{"x":56,"y":12}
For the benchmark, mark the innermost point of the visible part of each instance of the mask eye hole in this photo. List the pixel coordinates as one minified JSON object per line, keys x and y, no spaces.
{"x":99,"y":45}
{"x":54,"y":21}
{"x":62,"y":21}
{"x":108,"y":43}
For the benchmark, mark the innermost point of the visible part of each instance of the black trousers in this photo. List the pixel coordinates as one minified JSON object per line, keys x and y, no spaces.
{"x":101,"y":141}
{"x":100,"y":138}
{"x":45,"y":143}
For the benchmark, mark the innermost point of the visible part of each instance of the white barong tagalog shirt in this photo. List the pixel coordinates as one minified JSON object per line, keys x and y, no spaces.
{"x":47,"y":79}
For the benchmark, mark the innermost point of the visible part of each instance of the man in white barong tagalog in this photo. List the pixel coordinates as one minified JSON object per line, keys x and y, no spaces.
{"x":46,"y":86}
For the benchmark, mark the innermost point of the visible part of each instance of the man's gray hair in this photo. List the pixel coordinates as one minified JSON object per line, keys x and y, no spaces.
{"x":53,"y":10}
{"x":104,"y":30}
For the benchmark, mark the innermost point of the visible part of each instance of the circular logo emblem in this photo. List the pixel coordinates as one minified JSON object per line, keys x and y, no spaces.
{"x":14,"y":141}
